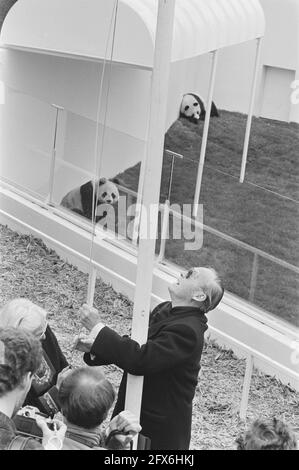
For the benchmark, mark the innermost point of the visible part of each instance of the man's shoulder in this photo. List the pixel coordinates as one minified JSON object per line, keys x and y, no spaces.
{"x":25,"y":443}
{"x":19,"y":442}
{"x":160,"y":312}
{"x":186,"y":326}
{"x":188,"y":323}
{"x":195,"y":320}
{"x":161,"y":306}
{"x":10,"y":439}
{"x":170,"y":316}
{"x":72,"y":444}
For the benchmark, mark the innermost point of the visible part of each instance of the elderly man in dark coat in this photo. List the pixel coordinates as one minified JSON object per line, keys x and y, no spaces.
{"x":169,"y":360}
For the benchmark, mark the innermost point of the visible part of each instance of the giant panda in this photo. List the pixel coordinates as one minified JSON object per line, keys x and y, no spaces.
{"x":79,"y":200}
{"x":193,"y":108}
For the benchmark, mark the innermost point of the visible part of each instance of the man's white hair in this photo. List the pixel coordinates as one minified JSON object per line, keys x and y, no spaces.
{"x":213,"y":290}
{"x":22,"y":313}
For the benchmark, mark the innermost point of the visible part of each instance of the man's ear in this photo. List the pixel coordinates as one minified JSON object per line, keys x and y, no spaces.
{"x":29,"y":377}
{"x":27,"y":381}
{"x":199,"y":296}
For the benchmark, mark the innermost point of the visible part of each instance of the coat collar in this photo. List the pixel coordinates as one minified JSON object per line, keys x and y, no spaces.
{"x":90,"y":438}
{"x":164,"y":314}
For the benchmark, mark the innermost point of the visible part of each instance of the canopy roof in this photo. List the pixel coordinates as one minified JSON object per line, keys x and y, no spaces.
{"x":82,"y":27}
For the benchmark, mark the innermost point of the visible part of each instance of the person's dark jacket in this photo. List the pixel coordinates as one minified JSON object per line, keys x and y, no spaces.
{"x":43,"y":393}
{"x":8,"y":433}
{"x":170,"y":363}
{"x":79,"y":438}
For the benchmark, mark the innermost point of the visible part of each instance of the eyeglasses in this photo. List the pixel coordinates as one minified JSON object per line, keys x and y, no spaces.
{"x":42,"y":334}
{"x":188,"y":274}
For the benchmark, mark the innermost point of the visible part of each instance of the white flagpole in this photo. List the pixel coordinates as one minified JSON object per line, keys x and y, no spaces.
{"x":151,"y":190}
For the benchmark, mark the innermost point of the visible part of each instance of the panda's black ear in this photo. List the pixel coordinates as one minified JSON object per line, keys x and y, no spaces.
{"x":115,"y":181}
{"x":102,"y":181}
{"x":214,"y":110}
{"x":202,"y":116}
{"x":86,"y":192}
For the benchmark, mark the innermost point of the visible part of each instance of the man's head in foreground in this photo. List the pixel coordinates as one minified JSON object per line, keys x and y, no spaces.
{"x":24,"y":314}
{"x":199,"y":287}
{"x":268,"y":435}
{"x":85,"y":397}
{"x":20,"y":358}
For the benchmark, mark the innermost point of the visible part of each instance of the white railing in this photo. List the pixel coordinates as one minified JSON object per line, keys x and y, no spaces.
{"x":86,"y":225}
{"x":251,"y":355}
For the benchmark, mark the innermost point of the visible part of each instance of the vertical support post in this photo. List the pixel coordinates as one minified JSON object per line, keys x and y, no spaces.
{"x":205,"y":134}
{"x":138,"y":203}
{"x":170,"y":178}
{"x":165,"y":222}
{"x":251,"y":108}
{"x":151,"y":189}
{"x":246,"y":387}
{"x":139,"y":195}
{"x":91,"y":286}
{"x":164,"y":231}
{"x":253,"y":277}
{"x":53,"y":157}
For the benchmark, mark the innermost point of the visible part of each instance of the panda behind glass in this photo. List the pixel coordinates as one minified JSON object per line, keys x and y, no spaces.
{"x":193,"y":108}
{"x":79,"y":200}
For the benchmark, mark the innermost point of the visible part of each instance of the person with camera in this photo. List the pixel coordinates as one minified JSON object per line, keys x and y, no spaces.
{"x":24,"y":314}
{"x":20,"y":358}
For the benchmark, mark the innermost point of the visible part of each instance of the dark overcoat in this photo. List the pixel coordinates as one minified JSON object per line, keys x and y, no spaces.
{"x":43,"y":393}
{"x":170,"y":363}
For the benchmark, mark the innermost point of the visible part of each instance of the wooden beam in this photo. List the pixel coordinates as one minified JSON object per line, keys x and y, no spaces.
{"x":246,"y":387}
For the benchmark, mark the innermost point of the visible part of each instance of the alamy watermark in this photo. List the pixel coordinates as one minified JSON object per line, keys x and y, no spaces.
{"x":120,"y":220}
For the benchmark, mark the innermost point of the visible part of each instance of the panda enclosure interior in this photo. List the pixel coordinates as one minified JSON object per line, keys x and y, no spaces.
{"x":262,"y":212}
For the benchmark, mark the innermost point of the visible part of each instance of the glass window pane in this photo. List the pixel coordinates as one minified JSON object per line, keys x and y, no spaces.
{"x":26,"y":142}
{"x":251,"y":229}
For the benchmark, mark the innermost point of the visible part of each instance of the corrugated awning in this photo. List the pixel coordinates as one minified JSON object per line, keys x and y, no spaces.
{"x":82,"y":27}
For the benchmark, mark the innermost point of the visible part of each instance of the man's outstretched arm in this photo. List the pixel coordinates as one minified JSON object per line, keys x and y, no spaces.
{"x":104,"y":346}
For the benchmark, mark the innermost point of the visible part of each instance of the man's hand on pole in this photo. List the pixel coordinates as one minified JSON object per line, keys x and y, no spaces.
{"x":89,"y":316}
{"x":91,"y":320}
